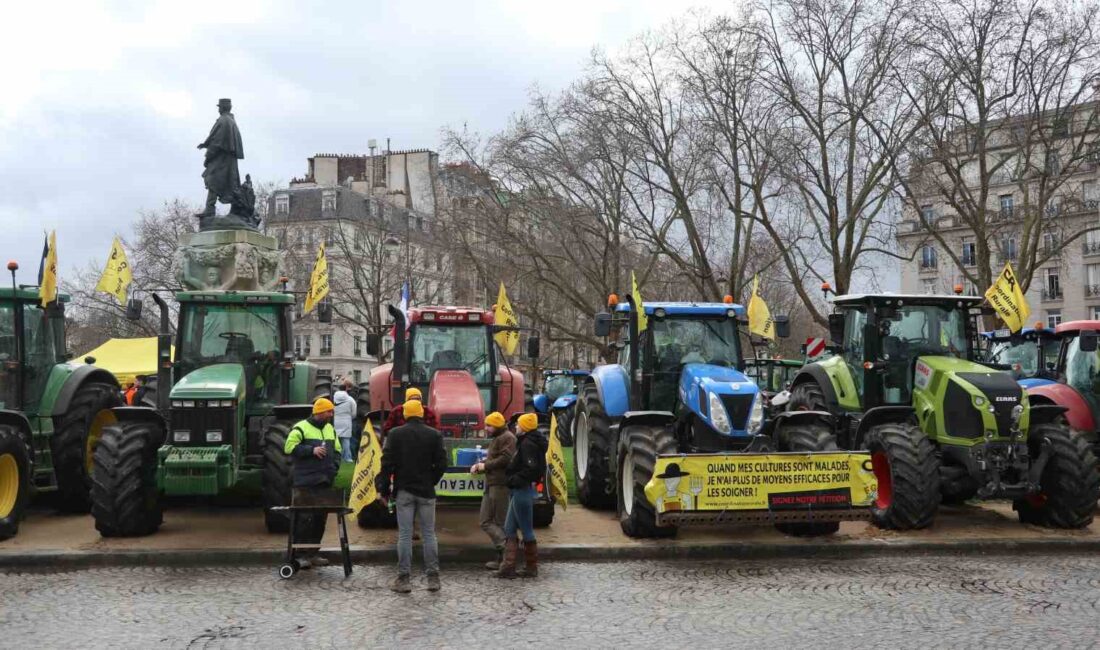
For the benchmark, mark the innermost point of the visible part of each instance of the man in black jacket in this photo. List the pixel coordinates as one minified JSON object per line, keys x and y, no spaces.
{"x":415,"y":458}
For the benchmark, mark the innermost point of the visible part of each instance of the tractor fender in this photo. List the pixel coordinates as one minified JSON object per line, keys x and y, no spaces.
{"x":79,"y":376}
{"x":646,"y":418}
{"x":1045,"y":413}
{"x":880,"y":415}
{"x":612,"y":386}
{"x":18,"y":421}
{"x":138,"y":414}
{"x":804,"y":417}
{"x":564,"y":402}
{"x":1078,"y":414}
{"x":287,"y":412}
{"x":815,"y":373}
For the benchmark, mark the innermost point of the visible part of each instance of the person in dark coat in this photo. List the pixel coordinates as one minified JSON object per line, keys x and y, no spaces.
{"x":526,"y":468}
{"x":396,"y":416}
{"x":494,"y":501}
{"x":315,"y":452}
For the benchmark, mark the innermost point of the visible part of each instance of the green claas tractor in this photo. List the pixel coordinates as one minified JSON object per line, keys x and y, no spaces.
{"x":224,"y":408}
{"x":904,"y":385}
{"x":51,"y":412}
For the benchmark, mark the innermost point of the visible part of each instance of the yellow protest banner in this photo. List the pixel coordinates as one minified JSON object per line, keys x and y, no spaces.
{"x":505,"y":315}
{"x":363,"y":491}
{"x":318,"y":281}
{"x":1008,"y":299}
{"x":781,"y":481}
{"x":639,"y":306}
{"x":47,"y":284}
{"x":555,"y":466}
{"x":116,"y":274}
{"x":760,"y":318}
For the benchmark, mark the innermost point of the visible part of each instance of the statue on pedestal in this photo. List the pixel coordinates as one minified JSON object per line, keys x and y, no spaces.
{"x":222,"y":178}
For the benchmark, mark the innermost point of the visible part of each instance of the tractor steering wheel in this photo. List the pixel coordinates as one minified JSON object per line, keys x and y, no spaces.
{"x":233,"y":335}
{"x":469,"y":367}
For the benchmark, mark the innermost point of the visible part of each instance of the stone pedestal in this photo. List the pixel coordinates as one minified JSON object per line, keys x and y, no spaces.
{"x":228,"y":260}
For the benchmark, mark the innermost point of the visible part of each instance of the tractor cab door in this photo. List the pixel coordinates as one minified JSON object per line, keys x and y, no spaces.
{"x":40,"y":353}
{"x":855,"y":323}
{"x":1082,"y":373}
{"x":9,"y":359}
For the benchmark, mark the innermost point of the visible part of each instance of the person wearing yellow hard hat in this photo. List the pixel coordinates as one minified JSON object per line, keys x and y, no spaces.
{"x":315,"y":452}
{"x":396,"y":417}
{"x":526,"y":468}
{"x":494,"y":500}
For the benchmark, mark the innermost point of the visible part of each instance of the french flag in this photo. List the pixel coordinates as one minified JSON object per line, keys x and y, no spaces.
{"x":403,"y":305}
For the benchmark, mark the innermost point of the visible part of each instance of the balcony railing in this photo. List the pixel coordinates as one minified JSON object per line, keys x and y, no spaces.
{"x":928,"y":267}
{"x":1006,"y":257}
{"x":1092,"y":290}
{"x":1090,"y":248}
{"x":1051,"y":294}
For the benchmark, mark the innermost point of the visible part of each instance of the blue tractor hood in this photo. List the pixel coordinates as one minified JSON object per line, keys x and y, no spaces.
{"x":735,"y":392}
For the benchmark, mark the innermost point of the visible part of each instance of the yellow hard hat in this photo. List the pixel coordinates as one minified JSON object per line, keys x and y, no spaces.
{"x":412,"y":392}
{"x":413,"y":409}
{"x":321,"y":405}
{"x":528,"y":422}
{"x":494,"y":419}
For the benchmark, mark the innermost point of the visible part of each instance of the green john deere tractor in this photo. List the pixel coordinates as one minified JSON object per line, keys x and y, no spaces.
{"x":51,"y":412}
{"x":224,"y":408}
{"x":904,"y":384}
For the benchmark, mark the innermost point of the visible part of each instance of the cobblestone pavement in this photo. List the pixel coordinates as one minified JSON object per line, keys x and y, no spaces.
{"x":927,"y":601}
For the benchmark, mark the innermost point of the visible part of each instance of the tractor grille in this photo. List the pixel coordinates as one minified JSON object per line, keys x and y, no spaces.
{"x":738,"y":407}
{"x":197,"y":422}
{"x":961,"y":419}
{"x":459,"y":424}
{"x":1003,"y":393}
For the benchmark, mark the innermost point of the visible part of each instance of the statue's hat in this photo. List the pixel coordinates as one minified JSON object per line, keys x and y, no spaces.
{"x":225,"y":101}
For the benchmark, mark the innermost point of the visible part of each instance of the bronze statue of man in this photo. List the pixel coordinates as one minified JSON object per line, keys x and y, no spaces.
{"x":223,"y":150}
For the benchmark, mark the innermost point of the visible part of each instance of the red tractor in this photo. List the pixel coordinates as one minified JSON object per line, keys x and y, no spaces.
{"x":450,"y":355}
{"x":1076,"y":379}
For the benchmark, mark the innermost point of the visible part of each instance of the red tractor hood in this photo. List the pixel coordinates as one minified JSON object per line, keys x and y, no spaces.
{"x":454,"y":397}
{"x":1079,"y":414}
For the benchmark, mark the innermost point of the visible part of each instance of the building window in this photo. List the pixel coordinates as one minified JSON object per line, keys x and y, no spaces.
{"x":282,"y":204}
{"x":330,"y":236}
{"x":1050,"y":242}
{"x":297,"y":310}
{"x":326,"y":345}
{"x":969,"y":254}
{"x":927,"y":214}
{"x":928,"y":257}
{"x":307,"y":343}
{"x":420,"y":223}
{"x":1053,"y":287}
{"x":1096,"y":312}
{"x":297,"y":346}
{"x":1060,"y":127}
{"x":1054,"y":318}
{"x":1009,"y":250}
{"x":328,"y":201}
{"x":358,"y":348}
{"x":1092,"y":276}
{"x":357,"y":376}
{"x":1007,"y":205}
{"x":929,"y":286}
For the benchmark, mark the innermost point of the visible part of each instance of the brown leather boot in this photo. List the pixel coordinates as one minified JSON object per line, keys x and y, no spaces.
{"x":508,"y":565}
{"x":531,"y":560}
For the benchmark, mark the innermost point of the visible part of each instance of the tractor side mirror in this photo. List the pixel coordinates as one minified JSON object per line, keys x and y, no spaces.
{"x":836,"y":328}
{"x":1086,"y":342}
{"x":324,"y":312}
{"x":603,"y":324}
{"x":782,"y":326}
{"x":374,"y":344}
{"x":534,"y":345}
{"x":133,"y":309}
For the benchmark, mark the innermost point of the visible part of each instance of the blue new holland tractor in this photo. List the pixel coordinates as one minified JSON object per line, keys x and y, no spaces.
{"x":559,"y":398}
{"x":678,"y":388}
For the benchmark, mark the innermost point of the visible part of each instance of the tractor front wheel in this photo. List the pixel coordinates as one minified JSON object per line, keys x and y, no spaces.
{"x":908,"y":474}
{"x":73,"y":443}
{"x":807,"y":396}
{"x":637,"y":459}
{"x":275,"y":480}
{"x":125,"y":498}
{"x":565,"y":426}
{"x":807,"y":437}
{"x":592,"y":453}
{"x":15,"y":480}
{"x":1069,"y":484}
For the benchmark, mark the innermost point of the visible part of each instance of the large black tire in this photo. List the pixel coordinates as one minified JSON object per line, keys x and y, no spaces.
{"x":376,"y":515}
{"x":807,"y":437}
{"x":149,"y":397}
{"x":15,"y":480}
{"x":125,"y":498}
{"x":322,"y":387}
{"x":807,"y":396}
{"x":73,"y":443}
{"x":638,"y":453}
{"x":908,"y":473}
{"x":543,"y":515}
{"x":276,"y":479}
{"x":593,"y":463}
{"x":1070,"y":482}
{"x":565,"y":426}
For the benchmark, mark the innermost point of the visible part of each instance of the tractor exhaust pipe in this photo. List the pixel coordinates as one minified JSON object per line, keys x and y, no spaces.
{"x":164,"y":357}
{"x":399,"y":376}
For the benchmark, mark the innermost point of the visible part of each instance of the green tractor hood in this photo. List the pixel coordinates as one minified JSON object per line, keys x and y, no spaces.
{"x":219,"y":381}
{"x":966,"y":401}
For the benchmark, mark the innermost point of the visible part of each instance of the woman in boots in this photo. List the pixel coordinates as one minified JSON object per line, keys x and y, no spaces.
{"x":525,"y":469}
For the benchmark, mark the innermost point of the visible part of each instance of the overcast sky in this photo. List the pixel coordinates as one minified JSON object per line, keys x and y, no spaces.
{"x":104,"y":102}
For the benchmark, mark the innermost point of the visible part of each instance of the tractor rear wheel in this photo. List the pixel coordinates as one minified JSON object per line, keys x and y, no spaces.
{"x":908,"y":473}
{"x":322,"y":387}
{"x":125,"y":498}
{"x":807,"y":437}
{"x":275,"y":480}
{"x":807,"y":396}
{"x":73,"y":443}
{"x":592,"y":452}
{"x":1070,"y":483}
{"x":641,"y":444}
{"x":565,"y":426}
{"x":15,"y":480}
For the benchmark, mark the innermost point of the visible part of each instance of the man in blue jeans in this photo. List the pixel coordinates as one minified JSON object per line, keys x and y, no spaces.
{"x":415,"y":459}
{"x":526,"y":468}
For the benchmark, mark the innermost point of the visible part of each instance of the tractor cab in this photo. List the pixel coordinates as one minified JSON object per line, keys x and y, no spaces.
{"x":1031,"y":354}
{"x":559,"y":389}
{"x":772,"y":375}
{"x":32,"y":342}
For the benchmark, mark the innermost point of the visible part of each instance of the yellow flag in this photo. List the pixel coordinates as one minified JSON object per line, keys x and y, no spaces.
{"x":47,"y":285}
{"x":639,"y":306}
{"x":363,"y":491}
{"x":760,"y":319}
{"x":116,"y":275}
{"x":505,"y":315}
{"x":555,"y":466}
{"x":318,"y":281}
{"x":1008,"y":299}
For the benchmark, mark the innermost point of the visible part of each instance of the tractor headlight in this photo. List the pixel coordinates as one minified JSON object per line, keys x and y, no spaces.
{"x":181,"y":436}
{"x":756,"y":417}
{"x":718,"y":416}
{"x":214,"y":435}
{"x":979,"y":400}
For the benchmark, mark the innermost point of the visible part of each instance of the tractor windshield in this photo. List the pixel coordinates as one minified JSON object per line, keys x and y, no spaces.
{"x":558,"y":385}
{"x":450,"y":347}
{"x":1024,"y":356}
{"x":1083,"y":371}
{"x":7,"y":356}
{"x":248,"y":335}
{"x":925,"y":329}
{"x":678,"y":341}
